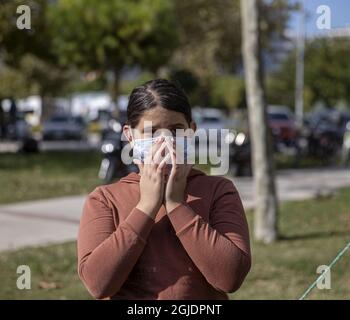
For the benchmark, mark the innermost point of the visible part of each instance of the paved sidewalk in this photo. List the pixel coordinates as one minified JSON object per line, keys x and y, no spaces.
{"x":39,"y":222}
{"x":56,"y":220}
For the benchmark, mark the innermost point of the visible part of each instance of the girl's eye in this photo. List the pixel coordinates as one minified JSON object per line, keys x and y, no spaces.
{"x":179,"y":133}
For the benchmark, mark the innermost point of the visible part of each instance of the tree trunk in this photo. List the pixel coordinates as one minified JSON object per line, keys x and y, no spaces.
{"x":47,"y":107}
{"x":113,"y":80}
{"x":265,"y":218}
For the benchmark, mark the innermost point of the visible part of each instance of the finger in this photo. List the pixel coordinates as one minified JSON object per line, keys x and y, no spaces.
{"x":139,"y":163}
{"x":158,"y":155}
{"x":171,"y":150}
{"x":163,"y":162}
{"x":153,"y":149}
{"x":174,"y":165}
{"x":170,"y":142}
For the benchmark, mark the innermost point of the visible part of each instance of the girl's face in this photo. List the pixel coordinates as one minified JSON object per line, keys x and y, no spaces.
{"x":158,"y":121}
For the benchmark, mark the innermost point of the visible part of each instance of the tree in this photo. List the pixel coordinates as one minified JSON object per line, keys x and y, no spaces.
{"x":14,"y":42}
{"x":108,"y":36}
{"x":265,"y":221}
{"x":210,"y":36}
{"x":29,"y":63}
{"x":228,"y":92}
{"x":12,"y":83}
{"x":324,"y":81}
{"x":328,"y":82}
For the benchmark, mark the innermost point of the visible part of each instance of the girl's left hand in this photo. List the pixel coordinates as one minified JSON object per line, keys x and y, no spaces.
{"x":176,"y":184}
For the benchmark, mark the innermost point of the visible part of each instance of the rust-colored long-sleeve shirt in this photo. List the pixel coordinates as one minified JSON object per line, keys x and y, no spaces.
{"x":199,"y":250}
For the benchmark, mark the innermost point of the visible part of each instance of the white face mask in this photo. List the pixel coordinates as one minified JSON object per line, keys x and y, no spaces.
{"x":142,"y":147}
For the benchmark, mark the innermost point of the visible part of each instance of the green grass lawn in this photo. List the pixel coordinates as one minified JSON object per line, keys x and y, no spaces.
{"x":53,"y":273}
{"x":312,"y":233}
{"x":47,"y":174}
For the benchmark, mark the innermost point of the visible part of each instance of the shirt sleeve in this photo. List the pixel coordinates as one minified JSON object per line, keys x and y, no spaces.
{"x":219,"y":248}
{"x":106,"y":253}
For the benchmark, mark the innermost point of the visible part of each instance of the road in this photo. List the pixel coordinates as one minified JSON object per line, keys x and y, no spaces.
{"x":56,"y":220}
{"x":91,"y":143}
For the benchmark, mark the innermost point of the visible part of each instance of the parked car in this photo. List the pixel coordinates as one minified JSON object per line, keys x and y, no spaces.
{"x":210,"y":119}
{"x":326,"y":135}
{"x":239,"y":152}
{"x":283,"y":128}
{"x":64,"y":127}
{"x":284,"y":134}
{"x":19,"y":129}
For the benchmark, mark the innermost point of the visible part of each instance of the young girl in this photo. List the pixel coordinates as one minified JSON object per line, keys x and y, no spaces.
{"x":169,"y":231}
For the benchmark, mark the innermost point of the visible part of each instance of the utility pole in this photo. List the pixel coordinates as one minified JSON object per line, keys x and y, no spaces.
{"x":299,"y":79}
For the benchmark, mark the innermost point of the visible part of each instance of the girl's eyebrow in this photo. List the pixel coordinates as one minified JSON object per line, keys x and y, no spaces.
{"x":148,"y":128}
{"x":177,"y":124}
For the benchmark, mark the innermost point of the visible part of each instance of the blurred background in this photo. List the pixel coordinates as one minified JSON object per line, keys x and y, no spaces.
{"x":65,"y":77}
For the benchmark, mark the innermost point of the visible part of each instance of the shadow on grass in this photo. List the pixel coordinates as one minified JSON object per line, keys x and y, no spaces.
{"x":314,"y":235}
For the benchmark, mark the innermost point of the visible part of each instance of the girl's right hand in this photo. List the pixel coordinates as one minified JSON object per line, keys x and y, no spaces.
{"x":152,"y":179}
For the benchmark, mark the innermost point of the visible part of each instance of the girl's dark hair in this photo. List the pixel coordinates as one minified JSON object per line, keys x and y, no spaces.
{"x":153,"y":93}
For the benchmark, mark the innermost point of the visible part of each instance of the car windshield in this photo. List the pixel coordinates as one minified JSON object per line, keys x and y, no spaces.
{"x":278,"y":116}
{"x":210,"y":119}
{"x":59,"y":119}
{"x":79,"y":120}
{"x":20,"y":116}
